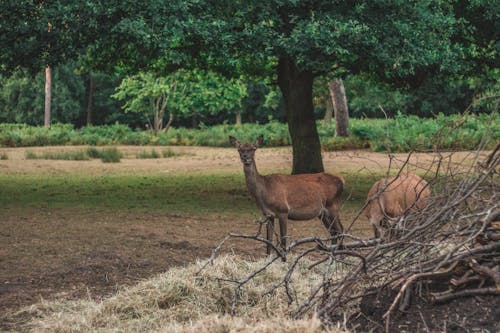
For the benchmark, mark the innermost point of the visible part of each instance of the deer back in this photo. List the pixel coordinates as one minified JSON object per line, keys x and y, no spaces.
{"x":394,"y":195}
{"x":313,"y":190}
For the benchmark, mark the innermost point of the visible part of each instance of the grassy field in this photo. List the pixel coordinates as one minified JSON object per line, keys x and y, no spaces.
{"x":85,"y":229}
{"x":183,"y":194}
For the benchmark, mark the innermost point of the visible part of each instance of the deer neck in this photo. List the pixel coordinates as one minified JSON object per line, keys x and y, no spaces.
{"x":254,"y":180}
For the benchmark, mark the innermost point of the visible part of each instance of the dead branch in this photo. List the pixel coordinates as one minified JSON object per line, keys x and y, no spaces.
{"x":450,"y":294}
{"x":229,"y":236}
{"x":410,"y":281}
{"x":485,"y":271}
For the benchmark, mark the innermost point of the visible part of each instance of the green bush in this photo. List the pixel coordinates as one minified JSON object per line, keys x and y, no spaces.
{"x":94,"y":152}
{"x":107,"y":155}
{"x":148,"y":154}
{"x":79,"y":155}
{"x":110,"y":155}
{"x":399,"y":134}
{"x":169,"y":153}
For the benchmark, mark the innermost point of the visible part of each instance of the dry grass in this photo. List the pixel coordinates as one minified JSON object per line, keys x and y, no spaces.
{"x":181,"y":300}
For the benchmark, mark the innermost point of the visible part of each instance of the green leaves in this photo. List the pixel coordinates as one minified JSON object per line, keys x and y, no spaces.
{"x":395,"y":39}
{"x":187,"y":92}
{"x":210,"y":93}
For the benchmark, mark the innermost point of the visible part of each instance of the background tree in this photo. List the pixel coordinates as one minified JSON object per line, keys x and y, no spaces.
{"x":40,"y":35}
{"x":153,"y":96}
{"x":294,"y":41}
{"x":397,"y":40}
{"x":48,"y":96}
{"x":22,"y":98}
{"x":262,"y":103}
{"x":339,"y":103}
{"x":367,"y":95}
{"x":90,"y":99}
{"x":408,"y":44}
{"x":182,"y":92}
{"x":208,"y":93}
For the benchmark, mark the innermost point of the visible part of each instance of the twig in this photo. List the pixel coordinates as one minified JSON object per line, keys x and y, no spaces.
{"x":423,"y":321}
{"x":450,"y":294}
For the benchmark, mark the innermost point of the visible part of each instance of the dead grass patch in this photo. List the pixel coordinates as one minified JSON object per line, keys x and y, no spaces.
{"x":180,"y":300}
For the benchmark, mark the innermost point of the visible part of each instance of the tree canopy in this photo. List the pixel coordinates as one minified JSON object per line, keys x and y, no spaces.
{"x":405,"y":43}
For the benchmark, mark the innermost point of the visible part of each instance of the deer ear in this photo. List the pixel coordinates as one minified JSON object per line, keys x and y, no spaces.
{"x":234,"y":141}
{"x":259,"y":141}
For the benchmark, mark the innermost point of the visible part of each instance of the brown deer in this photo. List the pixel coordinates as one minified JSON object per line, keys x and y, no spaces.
{"x":391,"y":197}
{"x":294,"y":197}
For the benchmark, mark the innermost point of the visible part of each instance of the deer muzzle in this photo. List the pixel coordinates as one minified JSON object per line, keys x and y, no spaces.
{"x":246,"y":160}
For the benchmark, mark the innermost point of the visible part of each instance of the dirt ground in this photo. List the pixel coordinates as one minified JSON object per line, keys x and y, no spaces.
{"x":461,"y":315}
{"x":81,"y":252}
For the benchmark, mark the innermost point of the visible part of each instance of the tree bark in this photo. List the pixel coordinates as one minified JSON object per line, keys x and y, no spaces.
{"x":48,"y":96}
{"x":169,"y":123}
{"x":90,"y":100}
{"x":158,"y":119}
{"x":339,"y":100}
{"x":238,"y":118}
{"x":296,"y":86}
{"x":327,"y":120}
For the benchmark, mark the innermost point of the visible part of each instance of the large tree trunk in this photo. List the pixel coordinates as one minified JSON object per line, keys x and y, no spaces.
{"x":90,"y":99}
{"x":296,"y":87}
{"x":48,"y":96}
{"x":339,"y":100}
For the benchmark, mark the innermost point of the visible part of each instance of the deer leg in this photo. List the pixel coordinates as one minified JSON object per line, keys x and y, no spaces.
{"x":331,"y":221}
{"x":377,"y":224}
{"x":283,"y":218}
{"x":329,"y":224}
{"x":376,"y":217}
{"x":270,"y":233}
{"x":376,"y":230}
{"x":337,"y":225}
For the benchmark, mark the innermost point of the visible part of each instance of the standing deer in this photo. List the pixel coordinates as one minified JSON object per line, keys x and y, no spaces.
{"x":390,"y":198}
{"x":294,"y":197}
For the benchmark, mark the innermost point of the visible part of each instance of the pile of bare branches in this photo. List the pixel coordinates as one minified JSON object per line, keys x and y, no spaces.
{"x":456,"y":237}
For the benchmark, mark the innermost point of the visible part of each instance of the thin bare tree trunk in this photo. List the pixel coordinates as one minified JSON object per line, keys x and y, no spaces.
{"x":157,"y":120}
{"x":327,"y":120}
{"x":238,"y":118}
{"x":158,"y":124}
{"x":339,"y":101}
{"x":169,"y":123}
{"x":48,"y":95}
{"x":90,"y":99}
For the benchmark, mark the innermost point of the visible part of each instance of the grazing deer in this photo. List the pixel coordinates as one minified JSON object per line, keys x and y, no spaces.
{"x":294,"y":197}
{"x":390,"y":198}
